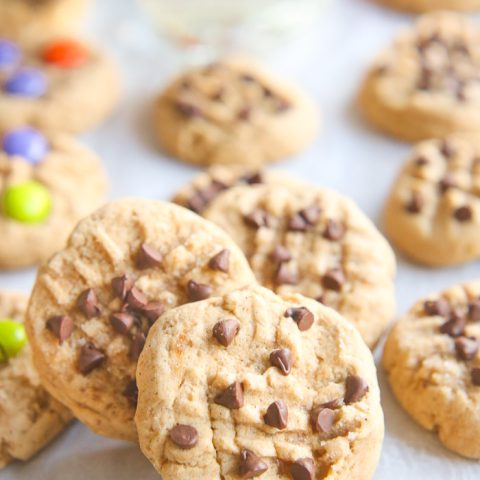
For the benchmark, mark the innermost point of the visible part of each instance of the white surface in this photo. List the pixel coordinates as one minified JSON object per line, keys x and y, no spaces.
{"x":347,"y":156}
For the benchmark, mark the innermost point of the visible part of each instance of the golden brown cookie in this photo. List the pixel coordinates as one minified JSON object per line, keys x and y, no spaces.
{"x":431,"y":5}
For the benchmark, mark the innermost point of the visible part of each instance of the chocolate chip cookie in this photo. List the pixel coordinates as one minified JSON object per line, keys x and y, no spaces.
{"x":305,"y":239}
{"x":63,"y":85}
{"x":433,"y":364}
{"x":426,"y":85}
{"x":29,"y":417}
{"x":431,"y":5}
{"x":253,"y":384}
{"x":433,"y":211}
{"x":47,"y":184}
{"x":233,"y":112}
{"x":94,"y":302}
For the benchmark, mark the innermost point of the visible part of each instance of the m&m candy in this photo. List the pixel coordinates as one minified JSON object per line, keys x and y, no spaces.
{"x":28,"y":82}
{"x":27,"y":202}
{"x":12,"y":339}
{"x":66,"y":53}
{"x":27,"y":143}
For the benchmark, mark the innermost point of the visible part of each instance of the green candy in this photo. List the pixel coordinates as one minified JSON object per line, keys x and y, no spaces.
{"x":27,"y":202}
{"x":12,"y":339}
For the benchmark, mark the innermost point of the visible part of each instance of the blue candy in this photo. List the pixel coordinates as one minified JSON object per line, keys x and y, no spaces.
{"x":27,"y":143}
{"x":9,"y":53}
{"x":27,"y":82}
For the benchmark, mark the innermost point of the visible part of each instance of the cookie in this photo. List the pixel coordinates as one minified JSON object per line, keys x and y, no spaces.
{"x":122,"y":268}
{"x":233,"y":112}
{"x":433,"y":365}
{"x":29,"y":20}
{"x":433,"y":211}
{"x":431,"y":5}
{"x":47,"y":184}
{"x":29,"y":417}
{"x":426,"y":84}
{"x":252,"y":384}
{"x":312,"y":241}
{"x":62,"y":85}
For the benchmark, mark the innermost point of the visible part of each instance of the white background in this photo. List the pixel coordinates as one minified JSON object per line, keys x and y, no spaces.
{"x":328,"y":62}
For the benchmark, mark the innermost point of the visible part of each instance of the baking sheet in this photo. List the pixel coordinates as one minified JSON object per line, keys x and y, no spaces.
{"x":328,"y":62}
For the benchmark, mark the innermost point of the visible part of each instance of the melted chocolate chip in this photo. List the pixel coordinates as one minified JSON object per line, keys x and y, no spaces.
{"x":184,"y":436}
{"x":131,"y":392}
{"x":258,"y":218}
{"x":281,"y":254}
{"x":136,"y":299}
{"x":302,"y":316}
{"x":220,"y":261}
{"x":455,"y":327}
{"x":466,"y":347}
{"x":333,"y":279}
{"x":253,"y":178}
{"x":475,"y":375}
{"x":225,"y":331}
{"x":334,"y":230}
{"x":90,"y":358}
{"x":282,"y":359}
{"x":437,"y":307}
{"x":304,"y":219}
{"x":277,"y":415}
{"x":251,"y":465}
{"x":153,"y":311}
{"x":303,"y":469}
{"x":198,"y":291}
{"x":61,"y":326}
{"x":88,"y":304}
{"x":334,"y":404}
{"x":474,"y":310}
{"x":447,"y":149}
{"x":322,"y":419}
{"x":122,"y":285}
{"x":285,"y":275}
{"x":355,"y":389}
{"x":136,"y":347}
{"x":446,"y":183}
{"x":421,"y":161}
{"x":189,"y":110}
{"x":415,"y":204}
{"x":148,"y":257}
{"x":297,"y":223}
{"x":122,"y":322}
{"x":463,"y":214}
{"x":231,"y":397}
{"x":244,"y":114}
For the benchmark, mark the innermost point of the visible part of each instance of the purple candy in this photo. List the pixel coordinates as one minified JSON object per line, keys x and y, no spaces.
{"x":9,"y":53}
{"x":27,"y":82}
{"x":27,"y":143}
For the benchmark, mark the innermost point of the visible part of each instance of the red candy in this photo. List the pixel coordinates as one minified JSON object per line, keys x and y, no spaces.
{"x":66,"y":53}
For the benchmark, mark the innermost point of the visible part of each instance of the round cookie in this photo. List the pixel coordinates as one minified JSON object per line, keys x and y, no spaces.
{"x":122,"y":268}
{"x":29,"y":417}
{"x":426,"y":84}
{"x":418,"y":6}
{"x":61,"y":85}
{"x":233,"y":112}
{"x":433,"y":365}
{"x":313,"y":241}
{"x":256,"y":385}
{"x":32,"y":20}
{"x":47,"y":184}
{"x":433,"y":211}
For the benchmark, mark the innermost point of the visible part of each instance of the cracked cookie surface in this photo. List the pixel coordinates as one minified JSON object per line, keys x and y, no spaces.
{"x":29,"y":416}
{"x":292,"y":394}
{"x":94,"y":302}
{"x":433,"y":365}
{"x":233,"y":112}
{"x":433,"y":210}
{"x":426,"y":85}
{"x":305,"y":239}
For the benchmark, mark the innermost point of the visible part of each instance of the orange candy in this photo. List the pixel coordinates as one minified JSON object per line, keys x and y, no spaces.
{"x":66,"y":53}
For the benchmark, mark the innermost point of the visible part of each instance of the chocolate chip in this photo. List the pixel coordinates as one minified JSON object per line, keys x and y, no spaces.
{"x":285,"y":275}
{"x":258,"y":218}
{"x":253,"y":178}
{"x":282,"y":359}
{"x":198,"y":291}
{"x":334,"y":230}
{"x":88,"y":304}
{"x":131,"y":392}
{"x":61,"y":326}
{"x":189,"y":110}
{"x":455,"y":327}
{"x":251,"y":465}
{"x":447,"y":149}
{"x":437,"y":307}
{"x":297,"y":223}
{"x":303,"y":469}
{"x":122,"y":322}
{"x":333,"y":279}
{"x":334,"y":404}
{"x":355,"y":389}
{"x":136,"y":299}
{"x":246,"y":77}
{"x":425,"y":80}
{"x":466,"y":347}
{"x":474,"y":310}
{"x":446,"y":183}
{"x":184,"y":436}
{"x":322,"y":419}
{"x":277,"y":415}
{"x":136,"y":347}
{"x":90,"y":358}
{"x":231,"y":397}
{"x":282,"y":105}
{"x":220,"y":261}
{"x":196,"y":203}
{"x":421,"y":161}
{"x":148,"y":257}
{"x":302,"y":316}
{"x":281,"y":254}
{"x":225,"y":331}
{"x":415,"y":204}
{"x":311,"y":214}
{"x":475,"y":374}
{"x":122,"y":285}
{"x":463,"y":214}
{"x":152,"y":311}
{"x":244,"y":114}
